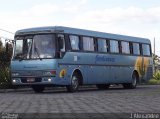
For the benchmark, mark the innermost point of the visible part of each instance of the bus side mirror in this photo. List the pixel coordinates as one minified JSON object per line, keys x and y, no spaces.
{"x":7,"y":47}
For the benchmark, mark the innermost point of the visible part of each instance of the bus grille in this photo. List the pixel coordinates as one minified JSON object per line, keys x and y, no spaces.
{"x":31,"y":73}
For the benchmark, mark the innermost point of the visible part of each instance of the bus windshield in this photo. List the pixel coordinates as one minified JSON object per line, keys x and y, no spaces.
{"x":35,"y":47}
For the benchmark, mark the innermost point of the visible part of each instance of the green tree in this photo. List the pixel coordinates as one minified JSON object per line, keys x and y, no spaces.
{"x":1,"y":45}
{"x":155,"y":59}
{"x":5,"y":58}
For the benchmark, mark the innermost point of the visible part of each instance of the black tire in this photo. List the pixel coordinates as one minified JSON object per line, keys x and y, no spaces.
{"x":133,"y":84}
{"x":38,"y":88}
{"x":74,"y":83}
{"x":103,"y":86}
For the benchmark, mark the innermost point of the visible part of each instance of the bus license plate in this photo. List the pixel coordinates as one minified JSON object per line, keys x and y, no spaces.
{"x":30,"y":80}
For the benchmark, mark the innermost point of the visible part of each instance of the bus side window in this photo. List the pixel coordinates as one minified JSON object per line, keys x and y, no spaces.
{"x":75,"y":42}
{"x":61,"y":46}
{"x":61,"y":43}
{"x":136,"y":48}
{"x":125,"y":47}
{"x":114,"y":46}
{"x":146,"y":49}
{"x":102,"y":45}
{"x":88,"y":44}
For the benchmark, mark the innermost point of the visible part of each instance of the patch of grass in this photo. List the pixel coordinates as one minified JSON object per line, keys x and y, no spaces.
{"x":154,"y":82}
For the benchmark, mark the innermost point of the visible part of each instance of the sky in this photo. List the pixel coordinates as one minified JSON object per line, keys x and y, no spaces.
{"x":140,"y":18}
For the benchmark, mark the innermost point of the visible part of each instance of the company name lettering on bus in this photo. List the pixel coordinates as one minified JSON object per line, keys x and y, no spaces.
{"x":104,"y":59}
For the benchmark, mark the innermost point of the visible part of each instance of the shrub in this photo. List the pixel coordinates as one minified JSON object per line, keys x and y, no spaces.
{"x":156,"y":75}
{"x":154,"y":82}
{"x":5,"y":58}
{"x":5,"y":81}
{"x":156,"y":79}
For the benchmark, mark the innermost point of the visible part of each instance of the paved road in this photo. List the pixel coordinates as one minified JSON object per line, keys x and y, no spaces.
{"x":144,"y":99}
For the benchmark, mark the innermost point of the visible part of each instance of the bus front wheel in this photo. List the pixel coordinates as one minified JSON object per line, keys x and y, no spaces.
{"x":38,"y":88}
{"x":74,"y":83}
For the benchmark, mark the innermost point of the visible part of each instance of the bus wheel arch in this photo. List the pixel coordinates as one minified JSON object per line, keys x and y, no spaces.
{"x":135,"y":72}
{"x":79,"y":73}
{"x":76,"y":80}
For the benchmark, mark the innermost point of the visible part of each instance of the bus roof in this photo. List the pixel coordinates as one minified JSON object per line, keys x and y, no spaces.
{"x":61,"y":29}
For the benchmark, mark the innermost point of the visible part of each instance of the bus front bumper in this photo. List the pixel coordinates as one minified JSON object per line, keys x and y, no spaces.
{"x":39,"y":81}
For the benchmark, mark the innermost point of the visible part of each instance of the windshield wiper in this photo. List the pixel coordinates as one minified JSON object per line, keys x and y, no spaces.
{"x":37,"y":51}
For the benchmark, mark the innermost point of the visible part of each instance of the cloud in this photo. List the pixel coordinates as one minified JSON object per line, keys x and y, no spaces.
{"x":132,"y":21}
{"x":118,"y":15}
{"x":40,"y":10}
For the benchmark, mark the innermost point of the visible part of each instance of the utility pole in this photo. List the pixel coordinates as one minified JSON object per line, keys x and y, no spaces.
{"x":154,"y":48}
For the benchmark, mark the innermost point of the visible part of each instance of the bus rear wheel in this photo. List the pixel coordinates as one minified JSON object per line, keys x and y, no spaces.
{"x":74,"y":83}
{"x":133,"y":84}
{"x":38,"y":88}
{"x":103,"y":86}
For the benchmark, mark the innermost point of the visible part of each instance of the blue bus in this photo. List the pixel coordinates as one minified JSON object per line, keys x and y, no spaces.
{"x":63,"y":56}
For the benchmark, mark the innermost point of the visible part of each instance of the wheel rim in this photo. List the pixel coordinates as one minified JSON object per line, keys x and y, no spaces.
{"x":74,"y":82}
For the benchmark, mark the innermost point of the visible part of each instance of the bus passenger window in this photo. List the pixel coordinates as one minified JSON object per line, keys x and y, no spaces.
{"x":74,"y":40}
{"x":146,"y":49}
{"x":136,"y":49}
{"x":88,"y":44}
{"x":102,"y":45}
{"x":114,"y":48}
{"x":125,"y":47}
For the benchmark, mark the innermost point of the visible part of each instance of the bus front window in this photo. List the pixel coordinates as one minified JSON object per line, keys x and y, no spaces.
{"x":37,"y":47}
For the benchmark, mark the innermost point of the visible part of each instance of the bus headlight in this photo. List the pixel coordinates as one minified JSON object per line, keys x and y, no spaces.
{"x":49,"y":80}
{"x":15,"y":80}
